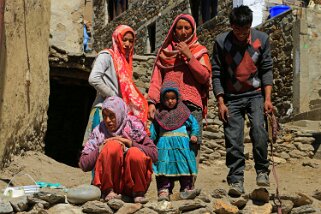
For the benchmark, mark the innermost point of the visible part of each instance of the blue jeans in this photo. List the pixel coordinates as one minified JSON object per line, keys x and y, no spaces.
{"x":234,"y":136}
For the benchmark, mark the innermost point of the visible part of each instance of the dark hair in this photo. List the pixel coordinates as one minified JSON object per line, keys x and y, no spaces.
{"x":241,"y":16}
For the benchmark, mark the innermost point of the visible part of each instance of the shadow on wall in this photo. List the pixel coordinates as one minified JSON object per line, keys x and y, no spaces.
{"x":316,"y":145}
{"x":69,"y":107}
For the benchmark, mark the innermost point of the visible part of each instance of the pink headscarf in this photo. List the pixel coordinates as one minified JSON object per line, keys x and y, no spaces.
{"x":128,"y":126}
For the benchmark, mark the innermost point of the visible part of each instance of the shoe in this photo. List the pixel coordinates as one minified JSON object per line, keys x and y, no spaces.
{"x":163,"y":195}
{"x":189,"y":194}
{"x":236,"y":189}
{"x":262,"y":179}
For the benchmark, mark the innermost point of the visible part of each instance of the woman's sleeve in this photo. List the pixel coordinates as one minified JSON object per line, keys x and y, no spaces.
{"x":87,"y":161}
{"x":102,"y":65}
{"x":148,"y":147}
{"x":153,"y":132}
{"x":155,"y":86}
{"x":90,"y":152}
{"x":193,"y":125}
{"x":198,"y":69}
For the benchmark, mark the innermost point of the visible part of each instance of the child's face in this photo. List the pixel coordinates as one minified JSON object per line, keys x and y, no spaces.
{"x":109,"y":118}
{"x":170,"y":99}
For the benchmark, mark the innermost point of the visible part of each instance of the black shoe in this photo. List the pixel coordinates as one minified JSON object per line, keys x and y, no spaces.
{"x":236,"y":189}
{"x":189,"y":194}
{"x":262,"y":179}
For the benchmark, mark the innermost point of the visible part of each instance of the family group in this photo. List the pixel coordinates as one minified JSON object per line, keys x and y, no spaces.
{"x":131,"y":135}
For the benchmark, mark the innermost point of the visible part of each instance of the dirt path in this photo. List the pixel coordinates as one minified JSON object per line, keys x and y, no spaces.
{"x":293,"y":176}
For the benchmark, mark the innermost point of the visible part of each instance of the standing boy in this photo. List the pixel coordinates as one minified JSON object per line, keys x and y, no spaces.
{"x":242,"y":82}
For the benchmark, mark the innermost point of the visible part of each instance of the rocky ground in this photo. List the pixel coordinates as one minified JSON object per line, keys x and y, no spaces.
{"x":299,"y":187}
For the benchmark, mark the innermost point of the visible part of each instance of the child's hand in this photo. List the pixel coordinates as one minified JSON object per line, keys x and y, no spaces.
{"x":193,"y":139}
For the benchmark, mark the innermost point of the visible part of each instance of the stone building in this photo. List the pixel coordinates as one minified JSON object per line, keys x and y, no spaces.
{"x":58,"y":129}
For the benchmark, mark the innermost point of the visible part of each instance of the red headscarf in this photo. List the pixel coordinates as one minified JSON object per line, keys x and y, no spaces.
{"x":134,"y":99}
{"x":167,"y":55}
{"x":168,"y":59}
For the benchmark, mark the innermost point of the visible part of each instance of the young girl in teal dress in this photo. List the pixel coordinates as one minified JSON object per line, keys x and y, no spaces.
{"x":172,"y":130}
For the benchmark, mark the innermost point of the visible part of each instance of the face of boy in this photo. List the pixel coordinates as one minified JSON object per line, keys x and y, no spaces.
{"x":109,"y":118}
{"x":241,"y":32}
{"x":170,"y":99}
{"x":183,"y":30}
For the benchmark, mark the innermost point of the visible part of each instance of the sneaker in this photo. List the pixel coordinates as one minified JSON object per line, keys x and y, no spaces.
{"x":262,"y":179}
{"x":236,"y":189}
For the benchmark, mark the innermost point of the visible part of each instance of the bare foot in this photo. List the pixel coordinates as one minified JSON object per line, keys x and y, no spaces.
{"x":111,"y":195}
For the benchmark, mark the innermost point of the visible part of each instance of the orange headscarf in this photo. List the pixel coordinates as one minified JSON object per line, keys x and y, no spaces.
{"x":134,"y":99}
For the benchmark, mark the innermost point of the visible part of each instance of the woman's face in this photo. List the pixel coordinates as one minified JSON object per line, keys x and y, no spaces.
{"x":241,"y":32}
{"x":170,"y":99}
{"x":128,"y":41}
{"x":183,"y":30}
{"x":109,"y":118}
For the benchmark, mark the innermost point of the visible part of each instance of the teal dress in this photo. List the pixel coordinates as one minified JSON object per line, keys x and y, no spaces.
{"x":175,"y":157}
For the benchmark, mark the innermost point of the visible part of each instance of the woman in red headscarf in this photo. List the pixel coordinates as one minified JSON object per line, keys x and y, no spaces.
{"x":184,"y":60}
{"x":112,"y":74}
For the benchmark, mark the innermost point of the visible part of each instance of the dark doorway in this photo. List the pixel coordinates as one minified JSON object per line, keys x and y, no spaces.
{"x":69,"y":107}
{"x":152,"y":37}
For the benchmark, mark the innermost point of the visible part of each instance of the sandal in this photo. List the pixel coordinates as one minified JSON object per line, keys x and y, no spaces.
{"x":163,"y":195}
{"x":140,"y":199}
{"x":189,"y":194}
{"x":112,"y":195}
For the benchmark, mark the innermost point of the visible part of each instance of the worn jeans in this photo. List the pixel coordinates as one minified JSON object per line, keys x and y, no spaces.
{"x":253,"y":106}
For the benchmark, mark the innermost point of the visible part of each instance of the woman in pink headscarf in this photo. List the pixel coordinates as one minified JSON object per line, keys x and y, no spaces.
{"x":112,"y":74}
{"x":120,"y":152}
{"x":182,"y":59}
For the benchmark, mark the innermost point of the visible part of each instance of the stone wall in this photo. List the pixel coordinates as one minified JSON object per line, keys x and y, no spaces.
{"x":138,"y":19}
{"x":24,"y":77}
{"x":280,"y":30}
{"x":158,"y":13}
{"x":66,"y":25}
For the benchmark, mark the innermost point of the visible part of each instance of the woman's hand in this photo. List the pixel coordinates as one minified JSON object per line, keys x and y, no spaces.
{"x":119,"y":139}
{"x":184,"y":50}
{"x":126,"y":142}
{"x":193,"y":139}
{"x":151,"y":111}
